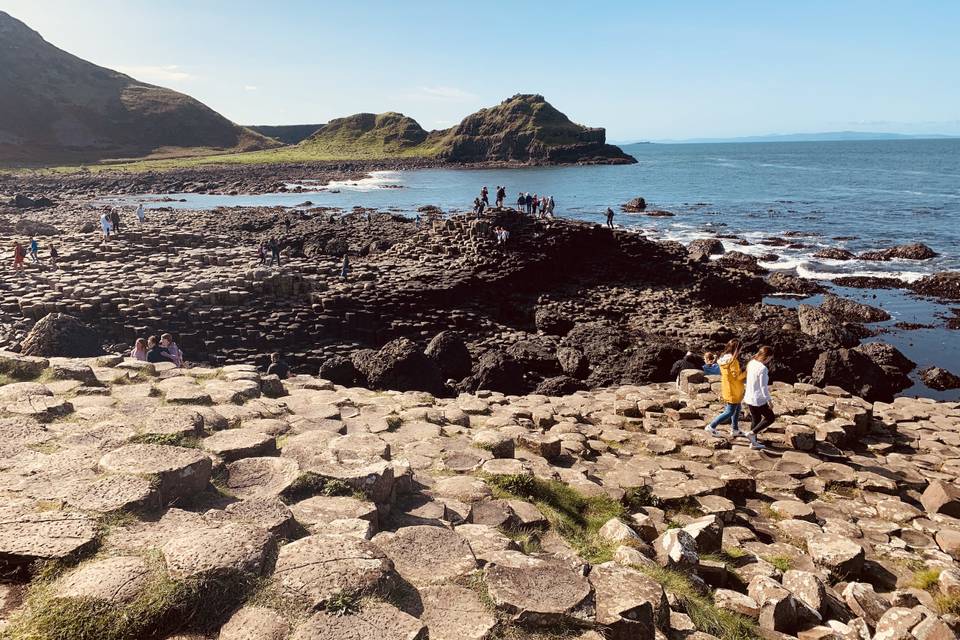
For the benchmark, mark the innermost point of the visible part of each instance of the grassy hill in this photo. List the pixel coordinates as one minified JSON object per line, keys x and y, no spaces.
{"x":56,"y":107}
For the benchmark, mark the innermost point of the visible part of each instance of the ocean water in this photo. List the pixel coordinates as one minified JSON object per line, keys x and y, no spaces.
{"x":858,"y":195}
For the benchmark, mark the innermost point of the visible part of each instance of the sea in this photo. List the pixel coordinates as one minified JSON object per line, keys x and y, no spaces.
{"x":857,"y":195}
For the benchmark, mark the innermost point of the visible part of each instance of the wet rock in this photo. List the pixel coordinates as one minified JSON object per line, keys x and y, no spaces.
{"x":741,"y":262}
{"x":939,"y":378}
{"x":915,"y":251}
{"x":834,"y":253}
{"x":59,"y":334}
{"x":944,"y":285}
{"x":636,"y":205}
{"x":847,"y":310}
{"x":788,"y":283}
{"x":701,"y":250}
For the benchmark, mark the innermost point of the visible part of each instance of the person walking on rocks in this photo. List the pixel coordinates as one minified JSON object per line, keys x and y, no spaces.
{"x":115,"y":220}
{"x":105,"y":225}
{"x":34,"y":247}
{"x":139,"y":351}
{"x":550,"y":205}
{"x":262,"y":253}
{"x":610,"y":217}
{"x":274,"y":247}
{"x":731,"y":390}
{"x":485,"y":196}
{"x":278,"y":367}
{"x":141,"y":216}
{"x":18,"y":255}
{"x":345,"y":268}
{"x":757,"y":395}
{"x":521,"y":201}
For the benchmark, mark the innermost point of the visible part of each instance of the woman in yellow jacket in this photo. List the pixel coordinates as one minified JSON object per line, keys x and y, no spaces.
{"x":732,"y":379}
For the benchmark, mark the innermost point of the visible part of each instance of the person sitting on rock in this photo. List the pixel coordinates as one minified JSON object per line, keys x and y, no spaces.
{"x":710,"y":365}
{"x":34,"y":247}
{"x":278,"y":367}
{"x":731,"y":390}
{"x":610,"y":217}
{"x":18,"y":255}
{"x":139,"y":351}
{"x":155,"y":352}
{"x":141,"y":216}
{"x":176,"y":356}
{"x":688,"y":361}
{"x":757,"y":395}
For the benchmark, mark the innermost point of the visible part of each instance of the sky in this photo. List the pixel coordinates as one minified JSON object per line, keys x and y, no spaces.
{"x":645,"y":70}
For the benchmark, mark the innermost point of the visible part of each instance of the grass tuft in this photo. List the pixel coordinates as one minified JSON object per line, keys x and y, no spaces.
{"x":344,"y":603}
{"x":782,"y":563}
{"x":925,"y":579}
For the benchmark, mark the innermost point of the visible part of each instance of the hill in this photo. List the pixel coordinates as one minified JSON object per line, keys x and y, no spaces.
{"x":56,"y":107}
{"x":286,"y":133}
{"x":524,"y":128}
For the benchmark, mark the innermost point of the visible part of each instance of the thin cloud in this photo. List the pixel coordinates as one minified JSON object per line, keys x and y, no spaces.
{"x":250,"y":87}
{"x":157,"y":73}
{"x":441,"y":94}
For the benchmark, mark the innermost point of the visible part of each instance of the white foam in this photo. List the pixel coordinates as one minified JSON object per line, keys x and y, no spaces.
{"x":374,"y":180}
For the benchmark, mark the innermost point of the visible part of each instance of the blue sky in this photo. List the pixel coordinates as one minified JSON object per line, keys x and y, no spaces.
{"x":643,"y":70}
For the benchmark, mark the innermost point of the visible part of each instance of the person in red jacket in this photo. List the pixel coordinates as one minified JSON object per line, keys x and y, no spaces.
{"x":19,"y":253}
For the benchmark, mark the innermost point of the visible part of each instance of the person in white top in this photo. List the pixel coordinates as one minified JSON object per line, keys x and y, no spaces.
{"x":757,"y":395}
{"x":141,"y":216}
{"x":105,"y":225}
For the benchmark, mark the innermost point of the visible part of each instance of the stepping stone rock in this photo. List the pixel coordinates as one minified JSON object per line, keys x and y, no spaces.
{"x":865,"y":602}
{"x":359,"y":448}
{"x":629,"y":604}
{"x":318,"y":512}
{"x":499,"y":444}
{"x":255,"y":623}
{"x":114,"y":493}
{"x":173,"y":422}
{"x":319,"y":567}
{"x":463,"y":488}
{"x":375,"y":621}
{"x":547,"y":594}
{"x":942,"y":497}
{"x":233,"y":444}
{"x":452,"y":612}
{"x":119,"y":580}
{"x":185,"y":394}
{"x":46,"y":535}
{"x":676,"y":548}
{"x":841,"y":556}
{"x":259,"y":477}
{"x":266,"y":512}
{"x":425,"y":555}
{"x":226,"y":552}
{"x":179,"y":472}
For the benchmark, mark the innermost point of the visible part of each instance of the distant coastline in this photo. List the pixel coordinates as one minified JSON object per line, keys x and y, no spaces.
{"x":827,"y":136}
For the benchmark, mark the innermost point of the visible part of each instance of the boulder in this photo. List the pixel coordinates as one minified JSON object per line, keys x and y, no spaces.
{"x":941,"y":497}
{"x":636,"y":205}
{"x":560,"y":386}
{"x":400,"y":365}
{"x":834,"y":253}
{"x":59,"y":334}
{"x":818,"y":324}
{"x":497,"y":371}
{"x":840,"y":555}
{"x":701,"y":250}
{"x":783,"y":282}
{"x":374,"y":621}
{"x":847,"y":310}
{"x":630,"y":605}
{"x":339,"y":370}
{"x":448,"y":350}
{"x":551,"y":321}
{"x":676,"y":548}
{"x":854,"y":371}
{"x":939,"y":378}
{"x":914,"y":251}
{"x":945,"y":284}
{"x":541,"y":595}
{"x":740,"y":261}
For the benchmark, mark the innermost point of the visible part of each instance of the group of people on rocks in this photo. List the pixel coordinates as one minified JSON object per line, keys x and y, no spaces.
{"x":156,"y":350}
{"x":535,"y":205}
{"x":32,"y":248}
{"x":269,"y":248}
{"x":110,"y":221}
{"x":501,"y":234}
{"x":738,"y":386}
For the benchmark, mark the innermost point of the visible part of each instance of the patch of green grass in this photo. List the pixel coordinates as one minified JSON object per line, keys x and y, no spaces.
{"x":576,"y":517}
{"x":394,"y":422}
{"x":844,"y":491}
{"x":168,"y":439}
{"x":782,"y":563}
{"x":311,"y":484}
{"x":527,"y":539}
{"x":344,"y":603}
{"x":706,"y":616}
{"x":925,"y":579}
{"x":947,"y":604}
{"x":768,"y":512}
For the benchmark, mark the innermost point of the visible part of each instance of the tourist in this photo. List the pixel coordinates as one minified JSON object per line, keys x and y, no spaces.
{"x":274,"y":247}
{"x":278,"y":367}
{"x":757,"y":395}
{"x":710,"y":365}
{"x":731,"y":390}
{"x":141,"y":216}
{"x":485,"y":196}
{"x":115,"y":220}
{"x":481,"y":207}
{"x":550,"y":207}
{"x":688,"y":361}
{"x":476,"y":206}
{"x":139,"y":351}
{"x":501,"y":196}
{"x":18,"y":255}
{"x":262,"y":253}
{"x":416,"y":222}
{"x":176,"y":356}
{"x":155,"y":352}
{"x":345,"y":268}
{"x":535,"y":205}
{"x":54,"y":255}
{"x":105,"y":225}
{"x":521,"y":201}
{"x":610,"y":217}
{"x":528,"y":201}
{"x":34,"y":247}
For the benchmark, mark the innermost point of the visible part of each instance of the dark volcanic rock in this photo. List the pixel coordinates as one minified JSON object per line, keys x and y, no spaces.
{"x":915,"y":251}
{"x":896,"y":365}
{"x":59,"y":334}
{"x":701,"y":250}
{"x":550,"y":320}
{"x":651,"y":363}
{"x":939,"y":379}
{"x":450,"y":353}
{"x":869,"y":282}
{"x":35,"y":228}
{"x":560,"y":386}
{"x":21,"y":201}
{"x":851,"y":311}
{"x":789,"y":283}
{"x":497,"y":371}
{"x":939,"y":285}
{"x":572,"y":362}
{"x":339,"y":370}
{"x":363,"y":361}
{"x":400,"y":365}
{"x":741,"y":261}
{"x":818,"y":324}
{"x":534,"y":355}
{"x":598,"y":341}
{"x":834,"y":253}
{"x":856,"y":372}
{"x":636,"y":205}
